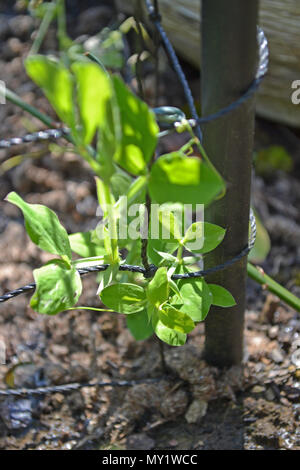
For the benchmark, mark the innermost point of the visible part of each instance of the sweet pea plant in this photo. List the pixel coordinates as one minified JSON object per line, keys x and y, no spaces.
{"x":117,"y":134}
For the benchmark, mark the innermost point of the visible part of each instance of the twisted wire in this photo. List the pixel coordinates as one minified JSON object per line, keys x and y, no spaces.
{"x":71,"y":387}
{"x":47,"y":134}
{"x":156,"y":19}
{"x":261,"y":71}
{"x":148,"y":273}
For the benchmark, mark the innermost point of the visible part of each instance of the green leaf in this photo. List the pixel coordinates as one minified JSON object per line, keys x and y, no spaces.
{"x":109,"y":233}
{"x":82,"y":244}
{"x":196,"y":298}
{"x":202,"y":237}
{"x":106,"y":277}
{"x":56,"y":82}
{"x":221,"y":296}
{"x":93,"y":92}
{"x":158,"y":288}
{"x":139,"y":130}
{"x":167,"y":257}
{"x":262,"y":243}
{"x":109,"y":140}
{"x":139,"y":325}
{"x":169,"y":336}
{"x":159,"y":250}
{"x":124,"y":298}
{"x":165,"y":231}
{"x":177,"y":178}
{"x":43,"y":226}
{"x":120,"y":184}
{"x":58,"y":288}
{"x":176,"y":320}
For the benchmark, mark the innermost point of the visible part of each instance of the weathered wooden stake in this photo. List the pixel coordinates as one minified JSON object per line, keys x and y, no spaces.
{"x":229,"y":58}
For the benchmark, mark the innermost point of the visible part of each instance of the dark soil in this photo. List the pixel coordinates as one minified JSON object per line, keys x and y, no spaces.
{"x":194,"y":406}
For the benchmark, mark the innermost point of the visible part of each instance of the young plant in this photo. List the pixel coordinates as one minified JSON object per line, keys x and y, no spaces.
{"x":143,"y":197}
{"x":117,"y":134}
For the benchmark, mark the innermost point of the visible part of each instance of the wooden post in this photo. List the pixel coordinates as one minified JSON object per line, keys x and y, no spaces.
{"x":229,"y":59}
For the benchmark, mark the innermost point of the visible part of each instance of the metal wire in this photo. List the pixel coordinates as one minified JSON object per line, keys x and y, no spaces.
{"x":71,"y":387}
{"x":47,"y":134}
{"x":148,"y":273}
{"x":156,"y":19}
{"x":262,"y":69}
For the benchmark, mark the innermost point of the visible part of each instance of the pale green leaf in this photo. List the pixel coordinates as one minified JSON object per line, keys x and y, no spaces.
{"x":221,"y":296}
{"x":139,"y":130}
{"x":158,"y":288}
{"x":82,"y":244}
{"x":177,"y":178}
{"x":176,"y":320}
{"x":43,"y":226}
{"x":94,"y":91}
{"x":139,"y":325}
{"x":124,"y":298}
{"x":202,"y":237}
{"x":262,"y":243}
{"x":169,"y":336}
{"x":56,"y":82}
{"x":196,"y":298}
{"x":58,"y":288}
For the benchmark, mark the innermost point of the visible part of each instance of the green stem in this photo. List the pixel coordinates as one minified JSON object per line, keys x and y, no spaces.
{"x":47,"y":120}
{"x":91,"y":308}
{"x":179,"y":253}
{"x":97,"y":61}
{"x":15,"y":99}
{"x":106,"y":201}
{"x":46,"y":21}
{"x":273,"y":286}
{"x":63,"y":38}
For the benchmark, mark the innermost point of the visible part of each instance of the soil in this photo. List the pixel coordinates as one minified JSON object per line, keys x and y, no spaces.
{"x":193,"y":406}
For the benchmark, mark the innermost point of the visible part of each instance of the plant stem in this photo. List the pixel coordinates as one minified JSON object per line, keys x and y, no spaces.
{"x":62,"y":25}
{"x":15,"y":99}
{"x":44,"y":26}
{"x":257,"y":275}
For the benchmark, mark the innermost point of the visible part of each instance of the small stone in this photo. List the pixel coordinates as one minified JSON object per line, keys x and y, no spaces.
{"x":14,"y":47}
{"x":21,"y":25}
{"x":273,"y":331}
{"x":59,"y":350}
{"x":258,"y":389}
{"x":140,"y":442}
{"x":58,"y":398}
{"x":173,"y":443}
{"x":297,"y":374}
{"x":55,"y":373}
{"x":16,"y":414}
{"x":277,"y":356}
{"x":295,"y":358}
{"x":270,"y":395}
{"x":196,"y":411}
